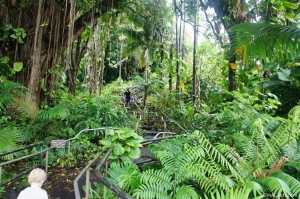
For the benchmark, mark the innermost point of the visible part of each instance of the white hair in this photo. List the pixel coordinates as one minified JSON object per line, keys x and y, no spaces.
{"x":37,"y":176}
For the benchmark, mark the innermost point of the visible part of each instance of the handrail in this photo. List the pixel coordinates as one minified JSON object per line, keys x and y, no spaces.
{"x":50,"y":148}
{"x":113,"y":187}
{"x":173,"y":121}
{"x":116,"y":189}
{"x":60,"y":144}
{"x":75,"y":183}
{"x":158,"y":139}
{"x":20,"y":149}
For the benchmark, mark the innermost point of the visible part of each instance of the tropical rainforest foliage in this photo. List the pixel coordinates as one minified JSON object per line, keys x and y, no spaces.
{"x":221,"y":75}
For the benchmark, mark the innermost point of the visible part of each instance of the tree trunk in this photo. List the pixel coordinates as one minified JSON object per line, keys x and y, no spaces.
{"x":46,"y":25}
{"x":146,"y":77}
{"x":225,"y":9}
{"x":170,"y":67}
{"x":178,"y":43}
{"x":195,"y":57}
{"x":35,"y":76}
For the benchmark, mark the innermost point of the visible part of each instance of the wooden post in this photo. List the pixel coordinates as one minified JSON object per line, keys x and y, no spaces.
{"x":46,"y":166}
{"x":69,"y":150}
{"x":87,"y":183}
{"x":0,"y":173}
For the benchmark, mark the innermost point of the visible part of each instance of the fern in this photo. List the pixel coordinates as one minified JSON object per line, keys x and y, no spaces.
{"x":160,"y":179}
{"x":27,"y":108}
{"x":156,"y":184}
{"x":214,"y":154}
{"x":276,"y":186}
{"x":126,"y":176}
{"x":147,"y":191}
{"x":293,"y":183}
{"x":9,"y":137}
{"x":221,"y":172}
{"x":57,"y":112}
{"x":186,"y":192}
{"x":260,"y":151}
{"x":242,"y":193}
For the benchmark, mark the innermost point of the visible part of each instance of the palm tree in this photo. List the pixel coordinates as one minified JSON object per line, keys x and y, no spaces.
{"x":143,"y":34}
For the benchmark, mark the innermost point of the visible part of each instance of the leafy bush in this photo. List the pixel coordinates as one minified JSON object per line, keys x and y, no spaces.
{"x":125,"y":143}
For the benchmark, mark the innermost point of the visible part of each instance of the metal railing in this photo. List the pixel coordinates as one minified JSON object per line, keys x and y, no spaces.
{"x":102,"y":179}
{"x":14,"y":151}
{"x":47,"y":151}
{"x":87,"y":181}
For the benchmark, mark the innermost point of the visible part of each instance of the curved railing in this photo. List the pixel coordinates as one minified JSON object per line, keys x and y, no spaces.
{"x":45,"y":151}
{"x":103,"y":179}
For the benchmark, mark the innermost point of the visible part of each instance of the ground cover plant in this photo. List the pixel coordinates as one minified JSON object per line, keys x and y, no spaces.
{"x":193,"y":167}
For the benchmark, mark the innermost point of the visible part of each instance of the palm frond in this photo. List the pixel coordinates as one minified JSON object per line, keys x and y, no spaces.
{"x":263,"y":40}
{"x":8,"y":91}
{"x":9,"y":138}
{"x":27,"y":108}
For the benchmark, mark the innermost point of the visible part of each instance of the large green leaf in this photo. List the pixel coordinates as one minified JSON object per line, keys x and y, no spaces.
{"x":118,"y":149}
{"x":285,"y":74}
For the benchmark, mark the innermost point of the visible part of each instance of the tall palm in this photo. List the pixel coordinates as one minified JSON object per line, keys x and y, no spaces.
{"x":144,"y":36}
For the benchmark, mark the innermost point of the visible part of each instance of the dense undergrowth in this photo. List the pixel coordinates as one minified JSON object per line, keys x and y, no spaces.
{"x":234,"y":148}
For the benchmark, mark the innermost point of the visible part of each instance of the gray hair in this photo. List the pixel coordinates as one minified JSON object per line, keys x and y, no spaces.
{"x":37,"y":175}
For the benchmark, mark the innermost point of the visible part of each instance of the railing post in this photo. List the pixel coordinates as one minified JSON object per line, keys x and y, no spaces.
{"x":47,"y":157}
{"x":0,"y":173}
{"x":41,"y":156}
{"x":69,"y":150}
{"x":87,"y":183}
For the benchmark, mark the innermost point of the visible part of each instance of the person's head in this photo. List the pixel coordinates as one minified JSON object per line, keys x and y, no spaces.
{"x":37,"y":176}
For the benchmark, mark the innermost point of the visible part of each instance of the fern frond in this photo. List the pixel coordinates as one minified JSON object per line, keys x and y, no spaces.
{"x":57,"y":112}
{"x":175,"y":156}
{"x":158,"y":179}
{"x":9,"y":138}
{"x":126,"y":176}
{"x":231,"y":155}
{"x":147,"y":191}
{"x":186,"y":192}
{"x":294,"y":164}
{"x":265,"y":152}
{"x":275,"y":185}
{"x":255,"y":187}
{"x":242,"y":193}
{"x":293,"y":183}
{"x":214,"y":154}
